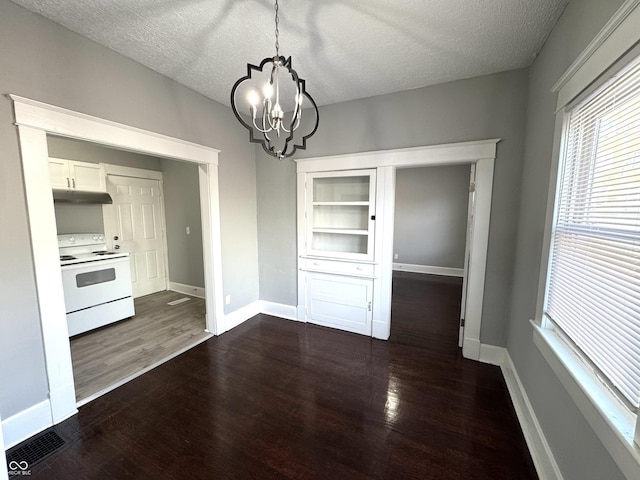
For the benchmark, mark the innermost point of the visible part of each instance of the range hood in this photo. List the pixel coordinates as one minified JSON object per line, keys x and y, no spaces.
{"x":75,"y":196}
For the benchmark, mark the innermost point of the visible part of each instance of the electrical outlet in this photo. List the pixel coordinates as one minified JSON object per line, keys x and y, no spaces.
{"x":188,"y":230}
{"x":395,"y":256}
{"x":227,"y":300}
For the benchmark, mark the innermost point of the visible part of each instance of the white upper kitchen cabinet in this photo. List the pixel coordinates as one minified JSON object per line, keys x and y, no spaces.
{"x":73,"y":175}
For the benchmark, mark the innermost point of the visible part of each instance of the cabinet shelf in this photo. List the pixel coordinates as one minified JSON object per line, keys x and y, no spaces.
{"x":341,"y":231}
{"x":342,"y":204}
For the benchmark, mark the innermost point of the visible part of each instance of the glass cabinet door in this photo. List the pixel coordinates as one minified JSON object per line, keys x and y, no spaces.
{"x":340,"y":212}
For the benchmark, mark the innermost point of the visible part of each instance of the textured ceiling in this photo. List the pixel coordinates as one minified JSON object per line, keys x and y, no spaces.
{"x":345,"y":49}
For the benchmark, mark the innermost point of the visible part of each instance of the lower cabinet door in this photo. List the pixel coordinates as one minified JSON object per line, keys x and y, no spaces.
{"x":340,"y":301}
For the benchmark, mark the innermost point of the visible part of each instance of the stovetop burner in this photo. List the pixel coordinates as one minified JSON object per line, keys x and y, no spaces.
{"x":67,"y":257}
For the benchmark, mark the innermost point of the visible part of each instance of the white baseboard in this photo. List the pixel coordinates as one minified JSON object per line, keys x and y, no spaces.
{"x":541,"y":453}
{"x":471,"y":349}
{"x":492,"y":355}
{"x":187,"y":289}
{"x":27,"y":423}
{"x":237,"y":317}
{"x":290,"y":312}
{"x":446,"y":271}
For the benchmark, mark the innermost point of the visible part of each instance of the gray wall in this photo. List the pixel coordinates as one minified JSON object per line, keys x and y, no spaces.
{"x":45,"y":62}
{"x":181,"y":202}
{"x":182,"y":210}
{"x":578,"y":451}
{"x":431,"y":215}
{"x":479,"y":108}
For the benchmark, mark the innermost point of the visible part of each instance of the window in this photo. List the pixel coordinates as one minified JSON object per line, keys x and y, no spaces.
{"x":593,"y":288}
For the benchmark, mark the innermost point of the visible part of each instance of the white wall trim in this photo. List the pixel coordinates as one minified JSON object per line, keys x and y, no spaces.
{"x":492,"y":355}
{"x":26,"y":423}
{"x":540,"y":450}
{"x":187,"y":289}
{"x":34,"y":121}
{"x":289,"y":312}
{"x":123,"y":171}
{"x":237,"y":317}
{"x":618,"y":35}
{"x":67,"y":123}
{"x":428,"y":269}
{"x":429,"y":155}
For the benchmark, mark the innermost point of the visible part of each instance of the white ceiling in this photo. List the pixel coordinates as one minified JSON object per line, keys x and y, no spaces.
{"x":345,"y":49}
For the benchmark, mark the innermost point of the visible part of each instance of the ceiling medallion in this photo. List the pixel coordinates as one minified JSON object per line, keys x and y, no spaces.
{"x":275,"y":104}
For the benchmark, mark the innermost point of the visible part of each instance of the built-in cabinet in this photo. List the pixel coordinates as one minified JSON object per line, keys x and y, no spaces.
{"x":337,"y":262}
{"x":73,"y":175}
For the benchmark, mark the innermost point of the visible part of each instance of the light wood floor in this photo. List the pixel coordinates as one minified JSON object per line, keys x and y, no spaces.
{"x":106,"y":356}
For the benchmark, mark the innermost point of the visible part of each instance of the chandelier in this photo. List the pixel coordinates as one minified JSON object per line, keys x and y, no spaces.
{"x":273,"y":104}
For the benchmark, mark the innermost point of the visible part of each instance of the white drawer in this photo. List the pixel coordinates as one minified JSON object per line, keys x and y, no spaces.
{"x":334,"y":266}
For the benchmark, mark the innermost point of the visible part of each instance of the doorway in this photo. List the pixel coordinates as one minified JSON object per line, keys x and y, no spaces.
{"x":34,"y":121}
{"x":481,"y":154}
{"x":432,"y":219}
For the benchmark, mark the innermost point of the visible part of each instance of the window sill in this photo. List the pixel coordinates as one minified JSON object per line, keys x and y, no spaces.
{"x":610,"y":420}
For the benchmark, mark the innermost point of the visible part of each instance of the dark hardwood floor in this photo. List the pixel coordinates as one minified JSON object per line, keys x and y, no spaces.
{"x":280,"y":399}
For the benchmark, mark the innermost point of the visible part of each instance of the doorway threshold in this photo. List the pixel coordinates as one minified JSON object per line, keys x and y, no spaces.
{"x":206,"y":336}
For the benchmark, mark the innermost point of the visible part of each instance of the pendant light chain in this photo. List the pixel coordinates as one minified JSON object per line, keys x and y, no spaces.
{"x":277,"y":31}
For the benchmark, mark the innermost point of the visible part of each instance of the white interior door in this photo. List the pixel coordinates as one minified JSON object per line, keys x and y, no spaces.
{"x":467,"y":252}
{"x":135,"y":224}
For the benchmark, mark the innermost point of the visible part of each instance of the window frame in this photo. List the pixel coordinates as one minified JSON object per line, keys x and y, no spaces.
{"x":617,"y":44}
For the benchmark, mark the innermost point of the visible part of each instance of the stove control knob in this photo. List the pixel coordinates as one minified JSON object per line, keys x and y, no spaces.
{"x":100,"y":237}
{"x":95,"y":238}
{"x":72,"y":239}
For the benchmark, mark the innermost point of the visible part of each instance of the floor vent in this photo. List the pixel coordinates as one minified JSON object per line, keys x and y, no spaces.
{"x":179,"y":301}
{"x":24,"y":456}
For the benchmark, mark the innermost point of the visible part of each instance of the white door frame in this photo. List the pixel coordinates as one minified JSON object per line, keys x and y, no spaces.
{"x":34,"y":121}
{"x":482,"y":154}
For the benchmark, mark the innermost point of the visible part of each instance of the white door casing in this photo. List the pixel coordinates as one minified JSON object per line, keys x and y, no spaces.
{"x":467,"y":252}
{"x":34,"y":121}
{"x":136,"y":218}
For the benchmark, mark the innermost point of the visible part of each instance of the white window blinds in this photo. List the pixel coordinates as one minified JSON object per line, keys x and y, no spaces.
{"x":593,"y":293}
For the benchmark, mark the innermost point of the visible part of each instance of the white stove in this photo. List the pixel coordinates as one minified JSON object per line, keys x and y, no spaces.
{"x":96,"y":282}
{"x":84,"y":247}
